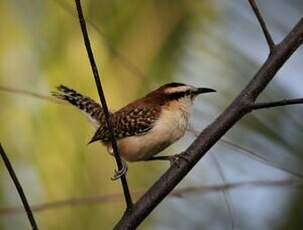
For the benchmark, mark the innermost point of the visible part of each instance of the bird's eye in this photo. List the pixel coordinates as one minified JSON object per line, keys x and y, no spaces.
{"x":187,"y":92}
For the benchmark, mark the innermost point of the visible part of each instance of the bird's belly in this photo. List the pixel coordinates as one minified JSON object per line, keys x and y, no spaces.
{"x":168,"y":129}
{"x":139,"y":148}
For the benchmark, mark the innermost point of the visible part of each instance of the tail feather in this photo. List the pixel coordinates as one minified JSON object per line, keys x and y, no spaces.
{"x":87,"y":105}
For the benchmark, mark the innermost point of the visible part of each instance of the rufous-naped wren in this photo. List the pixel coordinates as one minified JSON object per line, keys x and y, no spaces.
{"x":144,"y":127}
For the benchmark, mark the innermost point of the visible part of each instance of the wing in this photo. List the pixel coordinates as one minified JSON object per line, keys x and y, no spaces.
{"x":129,"y":122}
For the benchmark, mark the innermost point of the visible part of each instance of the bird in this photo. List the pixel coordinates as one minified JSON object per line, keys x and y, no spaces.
{"x":144,"y":127}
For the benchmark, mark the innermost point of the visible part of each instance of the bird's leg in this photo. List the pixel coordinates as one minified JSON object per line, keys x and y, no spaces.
{"x":171,"y":158}
{"x":120,"y":172}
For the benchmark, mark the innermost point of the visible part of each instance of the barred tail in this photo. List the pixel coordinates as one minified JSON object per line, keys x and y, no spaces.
{"x":91,"y":108}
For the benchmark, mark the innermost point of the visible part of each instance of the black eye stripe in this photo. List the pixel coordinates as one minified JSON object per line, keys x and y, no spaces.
{"x":178,"y":95}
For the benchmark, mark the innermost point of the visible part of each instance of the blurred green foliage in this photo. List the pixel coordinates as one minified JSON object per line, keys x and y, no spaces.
{"x":41,"y":47}
{"x":138,"y":46}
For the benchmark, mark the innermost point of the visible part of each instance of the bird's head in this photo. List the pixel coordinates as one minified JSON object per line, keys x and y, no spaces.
{"x":179,"y":93}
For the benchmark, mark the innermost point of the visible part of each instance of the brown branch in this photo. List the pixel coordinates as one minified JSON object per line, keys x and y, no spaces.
{"x":113,"y":197}
{"x":90,"y":54}
{"x":19,"y":188}
{"x":211,"y":135}
{"x":262,"y":23}
{"x":284,"y":102}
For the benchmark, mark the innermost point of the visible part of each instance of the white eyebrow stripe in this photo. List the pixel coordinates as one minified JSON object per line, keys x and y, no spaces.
{"x":178,"y":89}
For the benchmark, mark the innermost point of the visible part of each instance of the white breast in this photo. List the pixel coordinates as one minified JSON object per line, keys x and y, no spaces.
{"x":170,"y":126}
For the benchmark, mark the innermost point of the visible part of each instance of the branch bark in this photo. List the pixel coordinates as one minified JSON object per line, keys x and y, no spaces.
{"x":269,"y":40}
{"x":266,"y":105}
{"x":209,"y":136}
{"x":90,"y":54}
{"x":19,"y":188}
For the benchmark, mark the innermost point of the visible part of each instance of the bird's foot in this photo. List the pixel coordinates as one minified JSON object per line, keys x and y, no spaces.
{"x":175,"y":158}
{"x":120,"y":172}
{"x":172,"y":158}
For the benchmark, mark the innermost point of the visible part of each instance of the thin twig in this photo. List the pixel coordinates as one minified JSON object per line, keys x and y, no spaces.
{"x":284,"y":102}
{"x":112,"y":197}
{"x":225,"y":191}
{"x":126,"y":191}
{"x":259,"y":157}
{"x":28,"y":93}
{"x":265,"y":30}
{"x":70,"y":202}
{"x":253,"y":155}
{"x":130,"y":66}
{"x":19,"y":188}
{"x":234,"y":185}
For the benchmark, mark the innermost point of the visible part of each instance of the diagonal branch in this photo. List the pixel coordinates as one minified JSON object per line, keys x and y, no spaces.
{"x":212,"y":134}
{"x":265,"y":105}
{"x":19,"y":188}
{"x":90,"y":54}
{"x":265,"y":30}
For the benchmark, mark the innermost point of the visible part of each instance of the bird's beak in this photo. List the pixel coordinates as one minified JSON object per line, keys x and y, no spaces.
{"x":94,"y":139}
{"x":204,"y":90}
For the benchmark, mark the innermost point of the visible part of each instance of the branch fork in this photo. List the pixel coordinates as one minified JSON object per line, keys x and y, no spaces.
{"x":266,"y":105}
{"x":270,"y":42}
